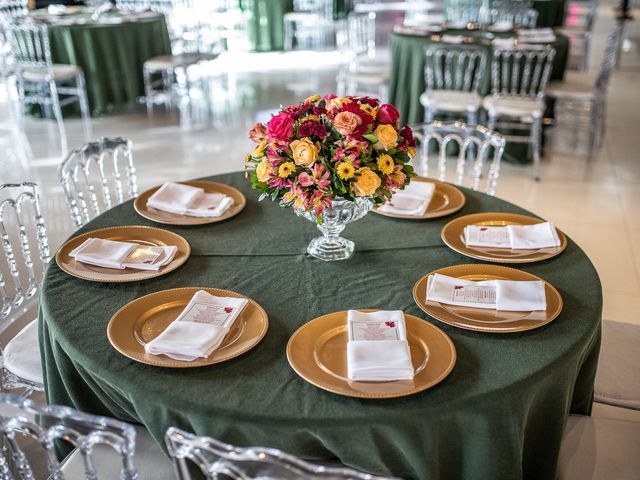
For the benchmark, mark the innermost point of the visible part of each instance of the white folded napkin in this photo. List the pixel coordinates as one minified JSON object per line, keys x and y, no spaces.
{"x":377,"y":350}
{"x":58,"y":9}
{"x":540,"y":235}
{"x":537,"y":35}
{"x":199,"y":329}
{"x":413,"y":200}
{"x":103,"y":253}
{"x":121,"y":255}
{"x":187,"y":200}
{"x":511,"y":295}
{"x":452,"y":38}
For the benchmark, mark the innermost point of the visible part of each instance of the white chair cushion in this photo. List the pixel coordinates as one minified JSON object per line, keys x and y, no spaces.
{"x":58,"y":72}
{"x":618,"y":375}
{"x":451,"y":100}
{"x":149,"y":459}
{"x":599,"y":448}
{"x":367,"y":78}
{"x":167,"y":62}
{"x":512,"y":106}
{"x":22,"y":354}
{"x":576,"y":85}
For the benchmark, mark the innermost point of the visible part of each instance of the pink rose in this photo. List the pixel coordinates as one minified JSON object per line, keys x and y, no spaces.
{"x":388,"y":114}
{"x":280,"y":127}
{"x":347,"y":122}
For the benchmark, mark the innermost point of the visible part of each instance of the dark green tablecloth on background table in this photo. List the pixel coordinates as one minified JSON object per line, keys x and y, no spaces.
{"x":499,"y":415}
{"x":266,"y":21}
{"x":550,"y":12}
{"x":406,"y":82}
{"x":111,"y":56}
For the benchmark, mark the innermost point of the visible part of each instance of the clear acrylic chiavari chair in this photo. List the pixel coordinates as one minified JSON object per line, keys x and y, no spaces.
{"x":50,"y":426}
{"x":97,"y":177}
{"x":25,"y":256}
{"x":581,"y":99}
{"x":363,"y":69}
{"x":220,"y":461}
{"x":40,"y":81}
{"x":310,"y":24}
{"x":520,"y":13}
{"x":453,"y":76}
{"x":475,"y":150}
{"x":519,"y":77}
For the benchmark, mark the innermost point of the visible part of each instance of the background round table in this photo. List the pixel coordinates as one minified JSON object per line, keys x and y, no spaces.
{"x":499,"y":414}
{"x":406,"y":81}
{"x":111,"y":55}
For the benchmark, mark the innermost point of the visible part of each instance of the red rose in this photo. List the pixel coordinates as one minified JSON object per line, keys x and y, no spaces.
{"x":280,"y":127}
{"x":388,"y":114}
{"x":407,"y":134}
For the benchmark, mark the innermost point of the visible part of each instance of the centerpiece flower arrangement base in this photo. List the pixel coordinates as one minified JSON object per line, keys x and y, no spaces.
{"x":331,"y":159}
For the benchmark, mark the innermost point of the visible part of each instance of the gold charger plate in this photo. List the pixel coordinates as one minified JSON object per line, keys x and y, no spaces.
{"x":143,"y":319}
{"x":239,"y":202}
{"x":486,"y":320}
{"x":446,"y":200}
{"x":152,"y":236}
{"x":317,"y":351}
{"x":453,"y":236}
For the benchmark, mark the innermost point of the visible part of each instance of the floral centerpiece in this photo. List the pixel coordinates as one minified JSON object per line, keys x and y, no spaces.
{"x":330,"y":153}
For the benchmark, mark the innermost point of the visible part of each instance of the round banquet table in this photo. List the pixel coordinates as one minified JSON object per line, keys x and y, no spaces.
{"x":499,"y":414}
{"x":111,"y":54}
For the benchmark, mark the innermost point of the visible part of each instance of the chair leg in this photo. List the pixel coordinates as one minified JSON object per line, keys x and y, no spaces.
{"x":84,"y":106}
{"x":146,"y":75}
{"x":472,"y":117}
{"x":57,"y":112}
{"x":491,"y":120}
{"x":535,"y":145}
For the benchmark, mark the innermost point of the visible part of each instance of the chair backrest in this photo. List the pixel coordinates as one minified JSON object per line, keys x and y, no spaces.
{"x":522,"y":71}
{"x":357,"y":36}
{"x":463,"y":10}
{"x":29,"y":42}
{"x":527,"y":17}
{"x":610,"y":57}
{"x":478,"y":149}
{"x":10,"y":9}
{"x":25,"y":250}
{"x":217,"y":461}
{"x":55,"y":423}
{"x":97,"y":177}
{"x":454,"y":68}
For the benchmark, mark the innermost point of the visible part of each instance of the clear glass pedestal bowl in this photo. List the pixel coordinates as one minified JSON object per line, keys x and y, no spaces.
{"x":331,"y":246}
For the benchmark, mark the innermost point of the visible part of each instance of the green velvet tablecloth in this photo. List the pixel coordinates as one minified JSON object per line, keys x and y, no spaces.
{"x":111,"y":56}
{"x":266,"y":21}
{"x":550,"y":12}
{"x":499,"y":415}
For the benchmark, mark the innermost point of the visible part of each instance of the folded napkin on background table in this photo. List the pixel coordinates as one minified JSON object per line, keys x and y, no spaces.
{"x":537,"y":35}
{"x":121,"y":255}
{"x":511,"y":295}
{"x":187,"y":200}
{"x":58,"y":9}
{"x":540,"y":235}
{"x":413,"y":200}
{"x":452,"y":38}
{"x":199,"y":329}
{"x":501,"y":26}
{"x":503,"y":43}
{"x":375,"y":358}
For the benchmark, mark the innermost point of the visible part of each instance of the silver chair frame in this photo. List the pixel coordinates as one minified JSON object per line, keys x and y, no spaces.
{"x":522,"y":72}
{"x":450,"y":68}
{"x":55,"y":423}
{"x":114,"y":154}
{"x":477,"y":145}
{"x":31,"y":50}
{"x":20,"y":291}
{"x":218,"y":460}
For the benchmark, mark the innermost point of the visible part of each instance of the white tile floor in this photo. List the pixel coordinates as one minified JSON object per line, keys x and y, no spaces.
{"x":595,"y":203}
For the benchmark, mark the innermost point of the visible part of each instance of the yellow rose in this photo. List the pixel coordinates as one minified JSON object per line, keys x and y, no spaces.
{"x":387,"y":137}
{"x":305,"y":152}
{"x":264,"y":170}
{"x":312,"y":99}
{"x":367,"y":182}
{"x":259,"y":150}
